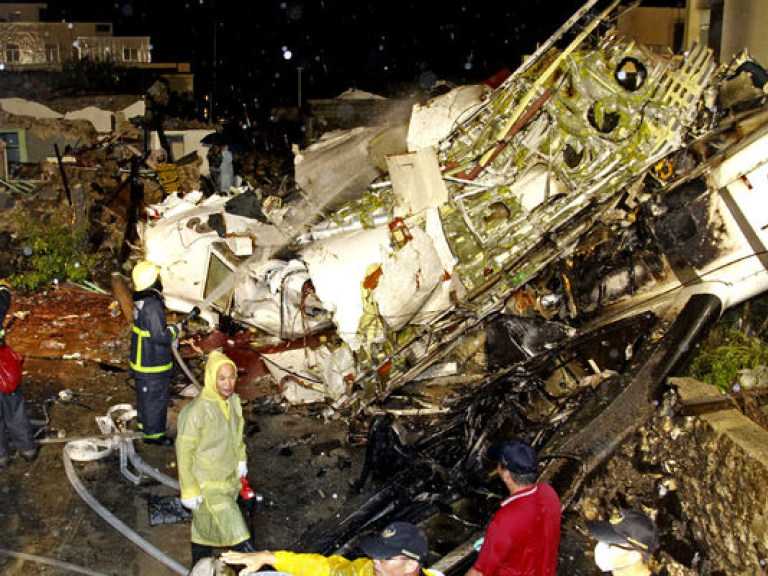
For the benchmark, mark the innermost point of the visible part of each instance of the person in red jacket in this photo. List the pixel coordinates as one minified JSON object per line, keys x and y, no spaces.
{"x":523,"y":536}
{"x":15,"y":428}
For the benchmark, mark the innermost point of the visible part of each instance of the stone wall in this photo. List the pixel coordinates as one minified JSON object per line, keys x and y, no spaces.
{"x":724,"y":485}
{"x":703,"y":478}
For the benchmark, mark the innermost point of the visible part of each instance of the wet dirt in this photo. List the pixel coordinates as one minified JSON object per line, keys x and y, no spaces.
{"x":302,"y":460}
{"x":300,"y":463}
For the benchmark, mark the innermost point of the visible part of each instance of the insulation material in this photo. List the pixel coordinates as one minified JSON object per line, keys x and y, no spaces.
{"x":306,"y":375}
{"x":416,"y":182}
{"x":536,"y":186}
{"x":409,"y":276}
{"x":338,"y":267}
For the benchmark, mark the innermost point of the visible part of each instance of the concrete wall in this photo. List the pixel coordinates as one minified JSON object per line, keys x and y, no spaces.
{"x":29,"y":12}
{"x":744,"y":26}
{"x":704,"y":480}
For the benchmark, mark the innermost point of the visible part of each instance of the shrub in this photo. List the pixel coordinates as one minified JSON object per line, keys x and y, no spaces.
{"x":720,"y":365}
{"x":55,"y":252}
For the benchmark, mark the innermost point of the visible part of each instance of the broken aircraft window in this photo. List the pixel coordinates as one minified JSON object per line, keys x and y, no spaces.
{"x":631,"y":74}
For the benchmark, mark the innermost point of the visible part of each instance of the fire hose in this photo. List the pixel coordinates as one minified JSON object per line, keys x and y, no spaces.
{"x":99,"y":447}
{"x":69,"y":567}
{"x":194,"y":313}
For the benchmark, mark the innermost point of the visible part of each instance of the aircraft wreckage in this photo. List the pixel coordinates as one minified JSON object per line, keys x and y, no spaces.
{"x":556,"y":242}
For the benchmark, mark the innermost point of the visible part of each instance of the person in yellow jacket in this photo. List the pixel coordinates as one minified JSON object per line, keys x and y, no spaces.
{"x":211,"y":460}
{"x":399,"y":550}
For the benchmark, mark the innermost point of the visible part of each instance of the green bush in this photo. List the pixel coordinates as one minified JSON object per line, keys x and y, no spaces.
{"x":54,"y":252}
{"x":720,"y":365}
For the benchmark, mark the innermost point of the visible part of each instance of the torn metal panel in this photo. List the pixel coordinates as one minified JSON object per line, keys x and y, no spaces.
{"x":308,"y":375}
{"x":416,"y":182}
{"x":338,"y":267}
{"x":433,"y":121}
{"x":343,"y":164}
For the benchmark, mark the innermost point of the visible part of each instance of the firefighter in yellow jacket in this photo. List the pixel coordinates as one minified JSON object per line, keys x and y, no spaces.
{"x":399,"y":550}
{"x":211,"y":460}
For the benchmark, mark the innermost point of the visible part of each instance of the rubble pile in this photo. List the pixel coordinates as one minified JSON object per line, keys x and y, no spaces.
{"x":528,"y":261}
{"x":572,"y":193}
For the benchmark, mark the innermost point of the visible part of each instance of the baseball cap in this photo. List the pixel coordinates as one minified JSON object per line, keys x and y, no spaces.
{"x":516,"y":456}
{"x":397,"y":539}
{"x":629,"y":527}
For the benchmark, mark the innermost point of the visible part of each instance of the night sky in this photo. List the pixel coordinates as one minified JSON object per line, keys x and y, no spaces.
{"x":387,"y":47}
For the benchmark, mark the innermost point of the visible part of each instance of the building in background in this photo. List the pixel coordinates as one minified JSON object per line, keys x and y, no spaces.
{"x":659,"y":29}
{"x":28,"y":43}
{"x":728,"y":27}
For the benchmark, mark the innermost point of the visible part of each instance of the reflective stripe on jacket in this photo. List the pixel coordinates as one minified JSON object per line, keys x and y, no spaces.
{"x":151,"y":336}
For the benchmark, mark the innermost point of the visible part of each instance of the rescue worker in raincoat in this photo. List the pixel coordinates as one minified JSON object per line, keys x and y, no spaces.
{"x":399,"y":550}
{"x":211,"y":461}
{"x":14,"y":419}
{"x":151,"y":354}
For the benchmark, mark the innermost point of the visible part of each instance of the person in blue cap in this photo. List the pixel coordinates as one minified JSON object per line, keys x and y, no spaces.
{"x":523,"y":536}
{"x":398,"y":550}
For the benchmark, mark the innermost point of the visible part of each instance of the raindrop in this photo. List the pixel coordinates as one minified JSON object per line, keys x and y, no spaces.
{"x":27,"y":251}
{"x":287,"y":54}
{"x":468,"y":66}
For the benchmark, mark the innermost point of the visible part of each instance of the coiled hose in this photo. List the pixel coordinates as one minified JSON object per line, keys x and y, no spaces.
{"x":110,"y":518}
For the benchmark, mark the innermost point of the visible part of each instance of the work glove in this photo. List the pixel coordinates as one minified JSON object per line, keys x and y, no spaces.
{"x":192,"y":503}
{"x":242,"y":468}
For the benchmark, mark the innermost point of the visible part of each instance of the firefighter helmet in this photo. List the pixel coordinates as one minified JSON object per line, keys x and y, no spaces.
{"x":144,"y":275}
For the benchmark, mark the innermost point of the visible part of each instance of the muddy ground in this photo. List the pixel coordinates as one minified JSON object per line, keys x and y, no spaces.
{"x":302,"y":460}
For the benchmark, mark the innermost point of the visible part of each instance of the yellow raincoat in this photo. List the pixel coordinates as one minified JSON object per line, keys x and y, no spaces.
{"x":209,"y":445}
{"x":317,"y":565}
